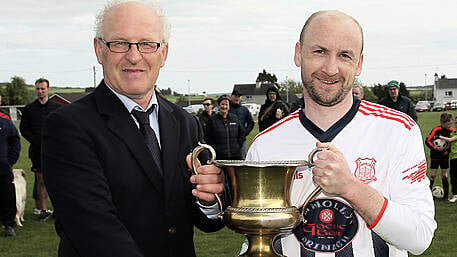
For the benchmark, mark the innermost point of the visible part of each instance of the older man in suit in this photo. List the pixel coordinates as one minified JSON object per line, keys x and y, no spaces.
{"x":120,"y":185}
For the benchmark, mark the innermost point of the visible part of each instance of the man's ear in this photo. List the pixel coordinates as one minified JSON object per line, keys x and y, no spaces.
{"x":297,"y":56}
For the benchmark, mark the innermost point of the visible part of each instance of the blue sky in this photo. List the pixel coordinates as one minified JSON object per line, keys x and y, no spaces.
{"x":215,"y":44}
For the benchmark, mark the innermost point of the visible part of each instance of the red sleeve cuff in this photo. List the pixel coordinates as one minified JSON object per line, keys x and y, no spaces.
{"x":384,"y":206}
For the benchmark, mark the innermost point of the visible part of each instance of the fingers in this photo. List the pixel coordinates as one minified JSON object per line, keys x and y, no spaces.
{"x":209,"y":181}
{"x":189,"y":163}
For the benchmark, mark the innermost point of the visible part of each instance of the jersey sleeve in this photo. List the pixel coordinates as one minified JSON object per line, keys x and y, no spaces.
{"x":408,"y":220}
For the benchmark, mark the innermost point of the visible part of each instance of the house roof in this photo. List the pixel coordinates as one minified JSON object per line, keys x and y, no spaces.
{"x":446,"y":83}
{"x":69,"y":97}
{"x":252,"y":89}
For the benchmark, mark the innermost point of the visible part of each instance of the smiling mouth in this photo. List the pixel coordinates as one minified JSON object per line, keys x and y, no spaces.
{"x":132,"y":70}
{"x":328,"y":81}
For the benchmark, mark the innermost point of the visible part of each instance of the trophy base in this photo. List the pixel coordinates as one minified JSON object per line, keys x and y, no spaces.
{"x":261,"y":225}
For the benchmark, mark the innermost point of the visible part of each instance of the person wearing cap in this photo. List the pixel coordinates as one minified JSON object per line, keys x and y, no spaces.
{"x":244,"y":117}
{"x":398,"y":102}
{"x":273,"y":109}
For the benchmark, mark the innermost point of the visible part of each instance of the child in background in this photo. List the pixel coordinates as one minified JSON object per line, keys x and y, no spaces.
{"x":440,"y":157}
{"x":453,"y":162}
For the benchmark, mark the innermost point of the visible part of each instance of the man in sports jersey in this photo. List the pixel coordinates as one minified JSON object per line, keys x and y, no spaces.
{"x":375,"y":199}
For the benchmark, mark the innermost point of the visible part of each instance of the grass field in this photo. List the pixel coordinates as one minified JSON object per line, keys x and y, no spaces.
{"x":38,"y":239}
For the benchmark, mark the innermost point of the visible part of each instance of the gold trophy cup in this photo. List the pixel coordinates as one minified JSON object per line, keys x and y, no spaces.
{"x":261,"y":207}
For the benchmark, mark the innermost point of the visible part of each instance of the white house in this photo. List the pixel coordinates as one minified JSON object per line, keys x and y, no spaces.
{"x":445,"y":89}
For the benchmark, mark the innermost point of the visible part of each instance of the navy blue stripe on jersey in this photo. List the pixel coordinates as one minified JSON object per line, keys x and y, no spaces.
{"x":305,"y":253}
{"x":277,"y":245}
{"x":381,"y":249}
{"x":332,"y":132}
{"x":345,"y":252}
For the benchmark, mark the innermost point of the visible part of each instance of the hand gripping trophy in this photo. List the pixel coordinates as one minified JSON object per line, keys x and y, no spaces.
{"x":261,"y":207}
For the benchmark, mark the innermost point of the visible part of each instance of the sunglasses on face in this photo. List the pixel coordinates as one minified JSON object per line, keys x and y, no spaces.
{"x":206,"y":104}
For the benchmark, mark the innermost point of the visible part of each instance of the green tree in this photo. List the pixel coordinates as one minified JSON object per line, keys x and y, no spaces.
{"x":294,"y":87}
{"x":15,"y":92}
{"x":266,"y":77}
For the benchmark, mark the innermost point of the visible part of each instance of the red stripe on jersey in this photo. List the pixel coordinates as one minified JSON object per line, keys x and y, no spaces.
{"x":390,"y":111}
{"x":432,"y":135}
{"x":387,"y":113}
{"x":277,"y":124}
{"x":383,"y":209}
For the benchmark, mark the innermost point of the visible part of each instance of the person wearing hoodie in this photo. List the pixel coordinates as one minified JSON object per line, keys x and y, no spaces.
{"x":273,"y":109}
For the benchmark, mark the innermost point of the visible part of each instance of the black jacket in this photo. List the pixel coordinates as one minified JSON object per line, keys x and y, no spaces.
{"x":404,"y":105}
{"x":32,"y":123}
{"x":225,"y":136}
{"x":109,"y":197}
{"x":267,"y":113}
{"x":10,"y":146}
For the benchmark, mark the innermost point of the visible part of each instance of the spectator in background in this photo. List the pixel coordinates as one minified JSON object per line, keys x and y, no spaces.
{"x":224,"y":132}
{"x":2,"y":114}
{"x":273,"y":109}
{"x":297,"y":104}
{"x":30,"y":127}
{"x":10,"y":148}
{"x":244,"y":117}
{"x":398,"y":102}
{"x":203,"y":116}
{"x":439,"y":158}
{"x":453,"y":161}
{"x":357,"y":91}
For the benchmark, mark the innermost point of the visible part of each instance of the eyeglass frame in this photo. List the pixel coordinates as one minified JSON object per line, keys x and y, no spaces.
{"x":107,"y":43}
{"x":207,"y":104}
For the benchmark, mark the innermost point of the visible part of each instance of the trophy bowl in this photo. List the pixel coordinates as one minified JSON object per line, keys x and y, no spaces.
{"x":261,"y":207}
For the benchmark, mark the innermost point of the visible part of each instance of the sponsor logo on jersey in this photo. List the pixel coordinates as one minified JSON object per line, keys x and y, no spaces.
{"x":416,"y":173}
{"x":365,"y":170}
{"x":331,"y":226}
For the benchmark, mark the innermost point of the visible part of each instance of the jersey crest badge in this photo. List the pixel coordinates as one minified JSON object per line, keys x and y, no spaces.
{"x":365,"y":170}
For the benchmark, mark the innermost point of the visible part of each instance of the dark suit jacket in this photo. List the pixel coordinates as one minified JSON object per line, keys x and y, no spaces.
{"x":109,"y":198}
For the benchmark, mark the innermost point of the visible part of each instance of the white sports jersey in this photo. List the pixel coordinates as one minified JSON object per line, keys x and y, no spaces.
{"x":384,"y":149}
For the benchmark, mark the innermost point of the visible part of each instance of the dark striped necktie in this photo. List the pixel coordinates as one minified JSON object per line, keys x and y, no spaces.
{"x":149,"y":135}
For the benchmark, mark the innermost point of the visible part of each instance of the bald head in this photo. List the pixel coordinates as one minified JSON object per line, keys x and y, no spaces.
{"x":330,"y":14}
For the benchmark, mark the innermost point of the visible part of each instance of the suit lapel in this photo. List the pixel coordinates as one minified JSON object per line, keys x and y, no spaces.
{"x":169,"y":136}
{"x":122,"y":125}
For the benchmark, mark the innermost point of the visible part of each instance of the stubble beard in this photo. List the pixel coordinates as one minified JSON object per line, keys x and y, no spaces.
{"x":325,"y":97}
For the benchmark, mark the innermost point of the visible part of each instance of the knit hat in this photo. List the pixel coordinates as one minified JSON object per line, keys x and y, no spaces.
{"x":393,"y":83}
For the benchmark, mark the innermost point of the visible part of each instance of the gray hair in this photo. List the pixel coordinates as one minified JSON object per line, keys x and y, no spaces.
{"x":100,"y":17}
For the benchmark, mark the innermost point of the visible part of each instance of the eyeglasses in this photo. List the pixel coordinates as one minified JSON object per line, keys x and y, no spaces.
{"x":124,"y":47}
{"x":206,"y":104}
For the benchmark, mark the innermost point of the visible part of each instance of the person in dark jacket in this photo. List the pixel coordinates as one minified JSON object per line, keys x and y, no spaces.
{"x":30,"y":127}
{"x":273,"y":109}
{"x":203,"y":116}
{"x":224,"y":132}
{"x":10,"y":147}
{"x":244,"y":116}
{"x":398,"y":102}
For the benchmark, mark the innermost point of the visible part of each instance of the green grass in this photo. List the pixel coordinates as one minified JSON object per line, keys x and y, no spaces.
{"x":38,"y":239}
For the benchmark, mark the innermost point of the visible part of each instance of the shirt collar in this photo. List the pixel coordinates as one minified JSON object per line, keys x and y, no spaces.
{"x":130,"y":104}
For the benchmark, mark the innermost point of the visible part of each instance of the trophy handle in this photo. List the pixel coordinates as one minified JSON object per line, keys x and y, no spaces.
{"x":193,"y":158}
{"x":318,"y":188}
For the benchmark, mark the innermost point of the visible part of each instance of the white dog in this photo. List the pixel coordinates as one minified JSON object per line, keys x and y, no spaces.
{"x":21,"y":194}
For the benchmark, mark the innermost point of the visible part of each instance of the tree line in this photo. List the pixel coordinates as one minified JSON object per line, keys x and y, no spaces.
{"x":15,"y":92}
